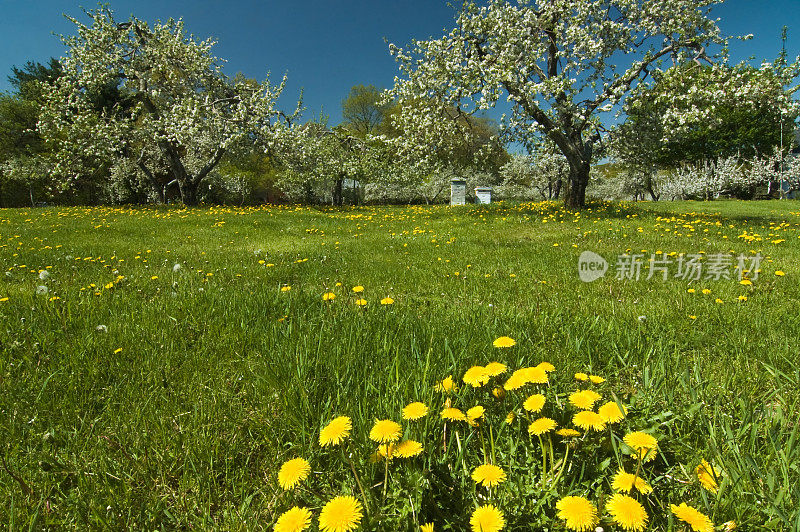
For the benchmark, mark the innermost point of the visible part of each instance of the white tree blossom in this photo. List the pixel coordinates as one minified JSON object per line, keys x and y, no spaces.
{"x":182,"y":114}
{"x":559,"y":64}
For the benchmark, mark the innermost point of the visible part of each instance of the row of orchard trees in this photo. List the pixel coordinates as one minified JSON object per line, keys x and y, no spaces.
{"x":137,"y":112}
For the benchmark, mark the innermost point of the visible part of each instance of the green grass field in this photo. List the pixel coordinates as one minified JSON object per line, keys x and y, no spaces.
{"x":162,"y":376}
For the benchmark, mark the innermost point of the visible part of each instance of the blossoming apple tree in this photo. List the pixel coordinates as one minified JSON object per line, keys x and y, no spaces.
{"x":559,"y":63}
{"x":183,"y":114}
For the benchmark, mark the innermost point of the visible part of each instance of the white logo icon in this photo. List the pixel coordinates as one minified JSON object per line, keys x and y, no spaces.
{"x":591,"y":266}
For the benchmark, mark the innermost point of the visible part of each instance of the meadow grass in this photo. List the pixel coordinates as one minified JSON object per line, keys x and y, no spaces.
{"x":162,"y":376}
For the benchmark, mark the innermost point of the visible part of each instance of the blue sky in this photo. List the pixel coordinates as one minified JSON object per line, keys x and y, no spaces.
{"x":325,"y":47}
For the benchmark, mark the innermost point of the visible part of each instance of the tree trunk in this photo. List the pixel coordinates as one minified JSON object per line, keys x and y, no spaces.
{"x":575,"y":195}
{"x":188,"y":191}
{"x":338,"y":197}
{"x":557,"y":191}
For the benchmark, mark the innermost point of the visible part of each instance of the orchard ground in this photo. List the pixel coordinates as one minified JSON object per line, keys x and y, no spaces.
{"x":157,"y":365}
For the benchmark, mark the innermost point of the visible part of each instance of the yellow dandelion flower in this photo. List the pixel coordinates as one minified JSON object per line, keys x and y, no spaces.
{"x":708,"y":476}
{"x":499,"y":393}
{"x":286,"y":288}
{"x":475,"y":413}
{"x":746,"y":282}
{"x":729,"y":526}
{"x":780,"y":273}
{"x":510,"y":418}
{"x":515,"y":381}
{"x":547,"y":366}
{"x":625,"y":482}
{"x":541,"y":426}
{"x":534,"y":403}
{"x":453,"y":414}
{"x":387,"y":301}
{"x":627,"y":512}
{"x":706,"y":291}
{"x":385,"y":431}
{"x":611,"y":412}
{"x":584,"y":399}
{"x":358,"y":289}
{"x":643,"y":444}
{"x":596,"y":379}
{"x":489,"y":475}
{"x":361,"y":302}
{"x":536,"y":375}
{"x":292,"y":472}
{"x":336,"y":431}
{"x":493,"y":369}
{"x":581,"y":377}
{"x":340,"y":514}
{"x":692,"y":517}
{"x":414,"y":411}
{"x":476,"y":376}
{"x":386,"y":450}
{"x":446,"y":385}
{"x":586,"y":419}
{"x":408,"y":449}
{"x":568,"y":433}
{"x":328,"y":296}
{"x":504,"y":341}
{"x":487,"y":518}
{"x":578,"y":513}
{"x":154,"y":277}
{"x":293,"y":520}
{"x":427,"y":527}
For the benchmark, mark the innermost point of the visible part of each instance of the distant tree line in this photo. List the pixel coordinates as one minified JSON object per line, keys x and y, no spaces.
{"x":142,"y":113}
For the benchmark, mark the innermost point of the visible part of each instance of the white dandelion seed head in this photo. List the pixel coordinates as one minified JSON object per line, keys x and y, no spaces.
{"x":44,"y":275}
{"x":41,"y":290}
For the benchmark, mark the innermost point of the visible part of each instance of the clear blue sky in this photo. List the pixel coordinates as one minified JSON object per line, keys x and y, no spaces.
{"x":325,"y":47}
